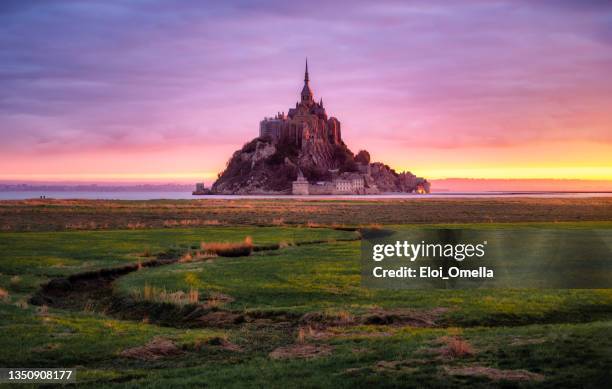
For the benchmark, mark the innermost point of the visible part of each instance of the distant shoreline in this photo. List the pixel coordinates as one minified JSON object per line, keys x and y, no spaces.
{"x":95,"y":188}
{"x":187,"y":195}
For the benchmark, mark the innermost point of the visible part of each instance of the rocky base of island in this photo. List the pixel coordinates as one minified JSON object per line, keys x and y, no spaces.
{"x":263,"y":166}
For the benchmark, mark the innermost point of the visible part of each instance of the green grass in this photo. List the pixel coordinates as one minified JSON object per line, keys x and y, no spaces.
{"x":58,"y":338}
{"x":57,"y":215}
{"x":561,"y":334}
{"x":35,"y":257}
{"x":327,"y":276}
{"x":565,"y":356}
{"x":569,"y":355}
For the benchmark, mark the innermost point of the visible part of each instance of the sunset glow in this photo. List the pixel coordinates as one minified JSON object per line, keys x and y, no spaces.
{"x":103,"y":92}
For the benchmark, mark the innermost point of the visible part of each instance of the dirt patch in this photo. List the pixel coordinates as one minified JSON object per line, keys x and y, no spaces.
{"x":321,"y":320}
{"x":301,"y":351}
{"x":527,"y":341}
{"x":494,"y":374}
{"x":324,"y":325}
{"x":270,"y":317}
{"x":155,"y":349}
{"x":221,"y":319}
{"x":310,"y":332}
{"x":395,"y":366}
{"x":224,"y":344}
{"x":403,"y":317}
{"x":401,"y":366}
{"x":390,"y":317}
{"x":218,"y":299}
{"x":314,"y":333}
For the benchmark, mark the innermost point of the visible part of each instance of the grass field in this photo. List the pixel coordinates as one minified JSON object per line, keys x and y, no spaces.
{"x":37,"y":256}
{"x":290,"y":314}
{"x":57,"y":215}
{"x":327,"y":277}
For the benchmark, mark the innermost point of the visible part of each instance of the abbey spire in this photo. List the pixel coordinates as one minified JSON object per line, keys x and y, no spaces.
{"x":307,"y":95}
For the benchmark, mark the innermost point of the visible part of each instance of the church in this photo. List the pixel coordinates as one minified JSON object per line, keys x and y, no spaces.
{"x":306,"y":124}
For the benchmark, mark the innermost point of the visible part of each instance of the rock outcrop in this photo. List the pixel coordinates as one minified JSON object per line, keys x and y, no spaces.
{"x":265,"y":167}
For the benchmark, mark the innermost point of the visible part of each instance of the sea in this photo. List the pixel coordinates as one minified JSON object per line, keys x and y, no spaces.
{"x":157,"y":195}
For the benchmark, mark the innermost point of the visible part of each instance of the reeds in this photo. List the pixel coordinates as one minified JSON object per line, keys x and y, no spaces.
{"x":228,"y":249}
{"x":161,"y":295}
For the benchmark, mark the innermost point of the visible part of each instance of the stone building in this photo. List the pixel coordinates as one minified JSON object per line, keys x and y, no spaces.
{"x":306,"y":124}
{"x":353,"y":184}
{"x":300,"y":186}
{"x":349,"y":183}
{"x":201,"y":189}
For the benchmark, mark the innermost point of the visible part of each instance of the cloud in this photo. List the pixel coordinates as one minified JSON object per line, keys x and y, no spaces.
{"x":149,"y":75}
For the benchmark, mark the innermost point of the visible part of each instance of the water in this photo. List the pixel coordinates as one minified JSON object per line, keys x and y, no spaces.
{"x":118,"y":195}
{"x":153,"y":195}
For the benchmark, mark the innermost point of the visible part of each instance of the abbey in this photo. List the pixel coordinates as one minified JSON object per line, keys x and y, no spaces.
{"x":306,"y":124}
{"x":302,"y":153}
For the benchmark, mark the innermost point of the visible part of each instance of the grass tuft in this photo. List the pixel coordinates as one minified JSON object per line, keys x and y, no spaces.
{"x":457,"y":347}
{"x":161,"y":295}
{"x":4,"y":294}
{"x":229,"y":249}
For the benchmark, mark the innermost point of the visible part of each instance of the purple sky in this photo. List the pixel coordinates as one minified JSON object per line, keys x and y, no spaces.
{"x":161,"y":89}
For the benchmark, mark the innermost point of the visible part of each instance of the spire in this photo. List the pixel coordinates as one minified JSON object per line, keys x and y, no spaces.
{"x":307,"y":95}
{"x":321,"y":102}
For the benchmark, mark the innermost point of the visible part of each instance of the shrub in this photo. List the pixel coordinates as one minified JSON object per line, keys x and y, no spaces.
{"x":345,"y":159}
{"x":283,"y":150}
{"x":281,"y":177}
{"x":315,"y":174}
{"x":363,"y":157}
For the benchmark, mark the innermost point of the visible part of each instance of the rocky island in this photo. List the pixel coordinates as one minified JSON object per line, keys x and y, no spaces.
{"x":302,"y":153}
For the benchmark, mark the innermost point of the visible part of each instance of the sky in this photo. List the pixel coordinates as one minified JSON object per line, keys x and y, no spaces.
{"x":166,"y":91}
